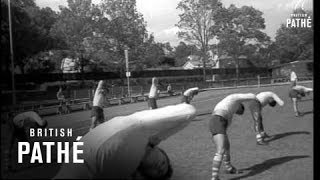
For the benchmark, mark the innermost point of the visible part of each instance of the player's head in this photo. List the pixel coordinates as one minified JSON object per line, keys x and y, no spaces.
{"x":41,"y":125}
{"x":155,"y":165}
{"x":273,"y":103}
{"x":195,"y":92}
{"x":240,"y":110}
{"x":45,"y":124}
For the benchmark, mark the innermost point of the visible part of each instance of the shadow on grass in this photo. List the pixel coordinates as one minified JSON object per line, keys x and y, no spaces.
{"x":282,"y":135}
{"x":259,"y":168}
{"x":303,"y":100}
{"x":306,"y":113}
{"x":202,"y":116}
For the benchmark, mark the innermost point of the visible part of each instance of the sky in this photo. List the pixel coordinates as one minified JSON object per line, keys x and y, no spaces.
{"x":162,"y":15}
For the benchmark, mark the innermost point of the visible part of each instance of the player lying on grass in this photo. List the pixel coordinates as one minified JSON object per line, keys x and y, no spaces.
{"x":219,"y":122}
{"x":99,"y":101}
{"x":263,"y":99}
{"x":18,"y":126}
{"x":296,"y":93}
{"x":125,"y":146}
{"x":189,"y":94}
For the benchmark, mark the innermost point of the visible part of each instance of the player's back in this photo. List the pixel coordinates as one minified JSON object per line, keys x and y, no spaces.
{"x":153,"y":91}
{"x":230,"y":104}
{"x":99,"y":98}
{"x":99,"y":95}
{"x":302,"y":88}
{"x":264,"y":97}
{"x":227,"y":106}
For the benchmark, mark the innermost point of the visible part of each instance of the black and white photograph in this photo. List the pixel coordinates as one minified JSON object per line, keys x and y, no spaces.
{"x":157,"y":89}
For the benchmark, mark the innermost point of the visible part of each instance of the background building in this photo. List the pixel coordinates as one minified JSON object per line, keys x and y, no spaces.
{"x":301,"y":68}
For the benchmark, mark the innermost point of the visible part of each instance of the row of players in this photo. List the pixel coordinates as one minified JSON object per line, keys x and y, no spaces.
{"x":155,"y":164}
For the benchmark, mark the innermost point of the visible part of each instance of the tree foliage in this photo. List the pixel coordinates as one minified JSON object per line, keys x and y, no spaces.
{"x":292,"y":44}
{"x":102,"y":32}
{"x":76,"y":23}
{"x":182,"y":51}
{"x":196,"y":21}
{"x":30,"y":29}
{"x":97,"y":34}
{"x":127,"y":29}
{"x":240,"y":33}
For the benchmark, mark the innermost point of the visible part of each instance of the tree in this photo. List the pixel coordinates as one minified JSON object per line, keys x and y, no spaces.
{"x":167,"y":61}
{"x":167,"y":47}
{"x":39,"y":63}
{"x":294,"y":43}
{"x":239,"y":32}
{"x":75,"y":23}
{"x":101,"y":32}
{"x":127,"y":29}
{"x":182,"y":51}
{"x":29,"y":35}
{"x":153,"y":52}
{"x":196,"y":20}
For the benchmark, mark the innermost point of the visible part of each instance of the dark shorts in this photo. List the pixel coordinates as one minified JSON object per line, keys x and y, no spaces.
{"x":97,"y":112}
{"x":293,"y":83}
{"x":293,"y":93}
{"x":152,"y":103}
{"x":170,"y":92}
{"x":184,"y":99}
{"x":218,"y":125}
{"x":20,"y":134}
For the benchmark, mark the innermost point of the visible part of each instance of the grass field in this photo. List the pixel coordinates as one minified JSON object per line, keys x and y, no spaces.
{"x":289,"y":155}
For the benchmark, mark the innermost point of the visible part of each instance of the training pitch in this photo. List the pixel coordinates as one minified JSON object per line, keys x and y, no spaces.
{"x":289,"y":155}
